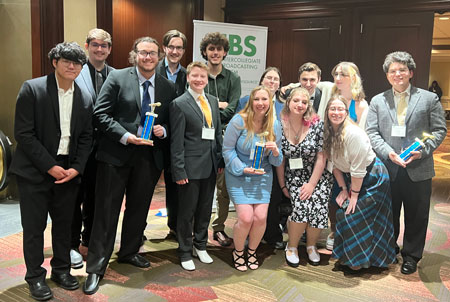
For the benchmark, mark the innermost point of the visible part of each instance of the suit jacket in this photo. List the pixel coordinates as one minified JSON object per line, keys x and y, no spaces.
{"x":118,"y":111}
{"x":84,"y":80}
{"x":424,"y":114}
{"x":180,"y":83}
{"x":37,"y":129}
{"x":193,"y":157}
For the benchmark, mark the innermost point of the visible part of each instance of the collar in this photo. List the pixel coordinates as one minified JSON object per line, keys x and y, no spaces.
{"x":142,"y":79}
{"x":398,"y":94}
{"x":166,"y":65}
{"x":222,"y":73}
{"x":60,"y":90}
{"x":195,"y":95}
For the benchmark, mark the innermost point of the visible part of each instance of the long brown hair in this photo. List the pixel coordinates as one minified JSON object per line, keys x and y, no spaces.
{"x":334,"y":140}
{"x":248,"y":114}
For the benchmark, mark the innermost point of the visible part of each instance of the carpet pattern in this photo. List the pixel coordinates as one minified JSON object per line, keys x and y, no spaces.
{"x":165,"y":280}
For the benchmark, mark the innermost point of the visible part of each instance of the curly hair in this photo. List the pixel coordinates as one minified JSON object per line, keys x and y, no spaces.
{"x":334,"y":140}
{"x":133,"y":53}
{"x":248,"y":115}
{"x":68,"y":50}
{"x":399,"y":57}
{"x":215,"y":38}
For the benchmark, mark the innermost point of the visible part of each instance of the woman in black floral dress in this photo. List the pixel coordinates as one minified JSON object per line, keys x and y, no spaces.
{"x":302,"y":175}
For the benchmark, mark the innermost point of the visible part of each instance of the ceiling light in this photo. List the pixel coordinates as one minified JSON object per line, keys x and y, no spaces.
{"x":444,"y":18}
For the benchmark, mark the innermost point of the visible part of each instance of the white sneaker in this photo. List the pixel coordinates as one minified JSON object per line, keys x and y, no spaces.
{"x":330,"y":241}
{"x":76,"y":260}
{"x":313,"y":255}
{"x":202,"y":255}
{"x":292,"y":256}
{"x":188,"y":265}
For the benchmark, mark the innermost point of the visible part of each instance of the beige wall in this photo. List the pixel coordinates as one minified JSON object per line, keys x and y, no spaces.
{"x":440,"y":71}
{"x":213,"y":10}
{"x":80,"y":16}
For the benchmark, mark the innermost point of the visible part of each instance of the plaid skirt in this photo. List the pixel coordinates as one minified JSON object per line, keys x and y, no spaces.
{"x":366,"y":237}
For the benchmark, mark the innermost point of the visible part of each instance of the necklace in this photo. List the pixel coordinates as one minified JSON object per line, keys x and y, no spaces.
{"x":297,"y":135}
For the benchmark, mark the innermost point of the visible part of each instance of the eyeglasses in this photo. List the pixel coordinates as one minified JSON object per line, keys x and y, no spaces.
{"x":275,"y":79}
{"x":337,"y":109}
{"x":177,"y":48}
{"x":66,"y":63}
{"x":402,"y":71}
{"x":96,"y":45}
{"x":144,"y":53}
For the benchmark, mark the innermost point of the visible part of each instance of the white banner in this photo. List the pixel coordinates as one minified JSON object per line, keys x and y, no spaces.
{"x":247,"y":54}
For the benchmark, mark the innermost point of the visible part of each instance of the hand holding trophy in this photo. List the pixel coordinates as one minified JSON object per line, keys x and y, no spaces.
{"x":416,"y":146}
{"x":149,"y":121}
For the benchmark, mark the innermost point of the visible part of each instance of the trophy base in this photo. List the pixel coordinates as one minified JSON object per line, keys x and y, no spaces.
{"x":260,"y":170}
{"x":148,"y":140}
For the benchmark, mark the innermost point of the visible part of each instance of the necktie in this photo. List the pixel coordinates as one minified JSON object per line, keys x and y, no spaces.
{"x":401,"y":109}
{"x":145,"y":102}
{"x":205,"y":109}
{"x":98,"y":82}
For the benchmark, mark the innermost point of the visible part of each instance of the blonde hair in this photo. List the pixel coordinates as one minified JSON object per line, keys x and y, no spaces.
{"x":334,"y":140}
{"x":351,"y":70}
{"x":309,"y":113}
{"x":248,"y":114}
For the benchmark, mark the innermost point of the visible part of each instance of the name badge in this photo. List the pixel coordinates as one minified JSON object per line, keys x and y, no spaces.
{"x":330,"y":166}
{"x":398,"y":131}
{"x":295,"y":163}
{"x":208,"y":133}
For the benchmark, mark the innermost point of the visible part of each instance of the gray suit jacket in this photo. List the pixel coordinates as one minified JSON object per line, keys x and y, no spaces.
{"x":193,"y":157}
{"x":84,"y":80}
{"x":424,"y":114}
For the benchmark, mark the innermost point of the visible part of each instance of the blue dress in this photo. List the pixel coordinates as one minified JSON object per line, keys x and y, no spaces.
{"x":247,"y":188}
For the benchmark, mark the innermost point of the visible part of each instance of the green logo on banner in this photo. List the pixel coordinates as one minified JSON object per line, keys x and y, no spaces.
{"x":236,"y":47}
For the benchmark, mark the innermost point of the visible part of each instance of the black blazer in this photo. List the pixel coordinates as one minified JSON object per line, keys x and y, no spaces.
{"x":118,"y":111}
{"x":180,"y":83}
{"x":37,"y":129}
{"x":193,"y":157}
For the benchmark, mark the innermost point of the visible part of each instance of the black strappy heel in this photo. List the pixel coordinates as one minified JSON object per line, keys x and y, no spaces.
{"x":242,"y":267}
{"x":251,"y":263}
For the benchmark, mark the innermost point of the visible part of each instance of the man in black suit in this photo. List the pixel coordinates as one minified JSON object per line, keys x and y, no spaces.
{"x":53,"y":130}
{"x":174,"y":45}
{"x":91,"y":78}
{"x":126,"y":162}
{"x":196,"y":149}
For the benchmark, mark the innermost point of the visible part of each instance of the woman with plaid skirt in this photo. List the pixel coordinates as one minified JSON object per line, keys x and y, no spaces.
{"x":364,"y":230}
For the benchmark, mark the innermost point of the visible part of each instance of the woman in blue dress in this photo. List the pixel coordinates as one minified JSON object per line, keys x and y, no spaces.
{"x":250,"y":189}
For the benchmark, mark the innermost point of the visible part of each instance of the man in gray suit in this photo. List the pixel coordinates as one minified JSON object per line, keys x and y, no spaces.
{"x":196,"y":149}
{"x":127,"y":162}
{"x":91,"y":79}
{"x":396,"y":117}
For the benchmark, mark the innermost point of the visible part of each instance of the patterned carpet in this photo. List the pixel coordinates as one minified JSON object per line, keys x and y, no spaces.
{"x":274,"y":281}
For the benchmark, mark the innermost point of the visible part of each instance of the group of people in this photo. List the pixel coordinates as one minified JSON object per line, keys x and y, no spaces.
{"x":80,"y":151}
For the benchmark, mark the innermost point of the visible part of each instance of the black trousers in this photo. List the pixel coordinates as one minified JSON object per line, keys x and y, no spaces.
{"x":36,"y":202}
{"x":194,"y":214}
{"x":83,"y":214}
{"x":138,"y":179}
{"x":415,"y":198}
{"x":273,"y":231}
{"x":171,"y":200}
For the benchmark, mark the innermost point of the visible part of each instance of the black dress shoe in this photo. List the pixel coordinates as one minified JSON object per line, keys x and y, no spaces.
{"x":222,"y":238}
{"x":40,"y":291}
{"x":66,"y":281}
{"x":90,"y":286}
{"x":279,"y":245}
{"x":409,"y":267}
{"x":136,"y":260}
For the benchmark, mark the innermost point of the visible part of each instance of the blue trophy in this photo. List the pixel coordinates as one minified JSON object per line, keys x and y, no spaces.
{"x":258,"y":153}
{"x":416,"y":146}
{"x":149,"y":121}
